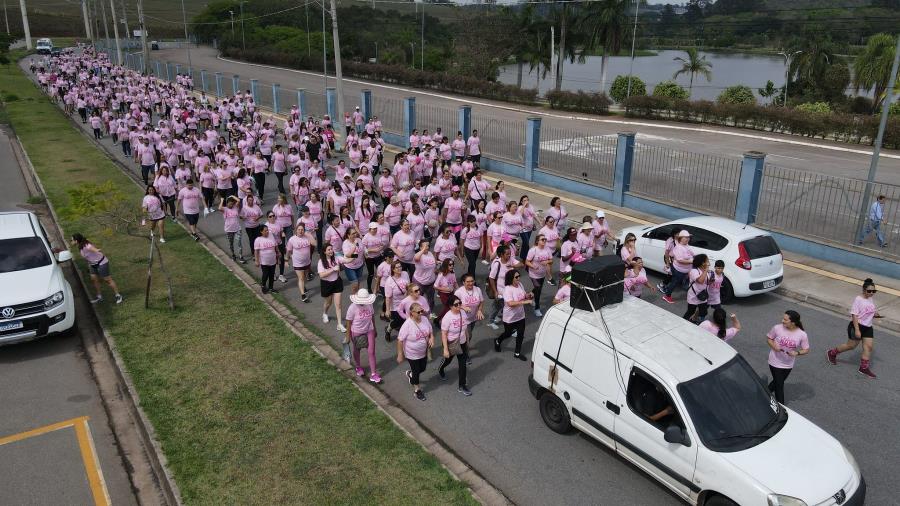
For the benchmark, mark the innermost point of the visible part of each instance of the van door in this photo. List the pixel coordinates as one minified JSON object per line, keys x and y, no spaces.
{"x":647,"y":411}
{"x":594,"y":406}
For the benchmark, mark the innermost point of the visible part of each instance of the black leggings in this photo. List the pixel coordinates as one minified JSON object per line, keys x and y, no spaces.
{"x":260,"y":179}
{"x":280,"y":177}
{"x":209,"y":196}
{"x":471,"y":260}
{"x":509,"y":328}
{"x":463,"y":357}
{"x":538,"y":287}
{"x":776,"y":386}
{"x":701,"y":310}
{"x":417,"y":367}
{"x":371,"y":266}
{"x":169,"y":203}
{"x":283,"y":249}
{"x":252,"y":234}
{"x":268,"y":276}
{"x":409,"y":268}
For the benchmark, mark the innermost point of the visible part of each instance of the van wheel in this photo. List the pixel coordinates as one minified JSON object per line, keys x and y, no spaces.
{"x":719,"y":500}
{"x":727,"y":291}
{"x":555,"y":414}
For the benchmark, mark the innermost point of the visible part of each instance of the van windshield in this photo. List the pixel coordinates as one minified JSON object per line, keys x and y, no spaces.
{"x":23,"y":253}
{"x":731,"y":408}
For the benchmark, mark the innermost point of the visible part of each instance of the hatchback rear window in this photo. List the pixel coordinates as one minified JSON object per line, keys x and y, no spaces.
{"x":761,"y":247}
{"x":23,"y":253}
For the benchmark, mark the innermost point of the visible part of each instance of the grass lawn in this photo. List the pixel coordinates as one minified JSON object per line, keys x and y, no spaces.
{"x":246,"y":413}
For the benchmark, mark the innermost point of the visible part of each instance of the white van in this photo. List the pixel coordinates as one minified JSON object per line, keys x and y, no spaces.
{"x":44,"y":46}
{"x":685,"y":407}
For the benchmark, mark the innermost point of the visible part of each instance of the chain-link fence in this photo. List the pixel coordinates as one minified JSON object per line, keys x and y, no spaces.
{"x":578,"y":155}
{"x":501,"y":138}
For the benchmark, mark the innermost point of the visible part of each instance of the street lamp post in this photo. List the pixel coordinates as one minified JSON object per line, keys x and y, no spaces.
{"x":232,"y":23}
{"x":187,"y":41}
{"x":412,"y":54}
{"x":376,"y":51}
{"x":243,"y":39}
{"x":787,"y":68}
{"x":637,"y":6}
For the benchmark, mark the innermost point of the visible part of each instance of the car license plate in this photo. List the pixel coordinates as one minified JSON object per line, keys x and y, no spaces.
{"x":769,"y":284}
{"x":11,"y":325}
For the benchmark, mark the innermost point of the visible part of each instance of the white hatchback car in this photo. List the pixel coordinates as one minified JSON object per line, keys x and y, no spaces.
{"x":753,"y":260}
{"x":36,"y":300}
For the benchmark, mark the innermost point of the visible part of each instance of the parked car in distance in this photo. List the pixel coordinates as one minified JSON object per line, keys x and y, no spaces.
{"x":36,"y":300}
{"x":753,"y":261}
{"x":43,"y":46}
{"x":685,"y":407}
{"x":56,"y":51}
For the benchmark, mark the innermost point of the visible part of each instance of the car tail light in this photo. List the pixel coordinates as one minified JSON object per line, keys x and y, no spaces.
{"x":743,"y":259}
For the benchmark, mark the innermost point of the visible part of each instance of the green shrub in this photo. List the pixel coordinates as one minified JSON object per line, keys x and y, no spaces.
{"x":815,"y":107}
{"x":593,"y":103}
{"x":619,"y":89}
{"x":895,"y":109}
{"x":670,"y":89}
{"x":737,"y":95}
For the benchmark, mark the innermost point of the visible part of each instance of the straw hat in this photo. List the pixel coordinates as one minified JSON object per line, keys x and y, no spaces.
{"x":363,"y":297}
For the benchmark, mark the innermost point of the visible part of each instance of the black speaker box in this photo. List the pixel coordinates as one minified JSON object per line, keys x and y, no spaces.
{"x":603,"y":271}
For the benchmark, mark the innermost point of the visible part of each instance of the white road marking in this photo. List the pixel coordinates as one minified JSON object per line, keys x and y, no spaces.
{"x":581,"y":118}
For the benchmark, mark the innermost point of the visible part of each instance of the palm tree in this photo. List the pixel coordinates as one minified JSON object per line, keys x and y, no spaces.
{"x":872,"y":68}
{"x":817,"y":54}
{"x":693,"y":65}
{"x":604,"y":22}
{"x":525,"y":23}
{"x":567,"y":49}
{"x":535,"y":50}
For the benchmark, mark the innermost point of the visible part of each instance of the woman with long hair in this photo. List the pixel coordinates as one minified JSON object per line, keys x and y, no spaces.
{"x":413,"y":342}
{"x":538,"y":261}
{"x":860,"y":329}
{"x":98,"y":264}
{"x":453,"y":339}
{"x":395,"y":286}
{"x":152,"y":206}
{"x":514,"y":301}
{"x":331,"y":285}
{"x":787,"y":341}
{"x":266,"y":256}
{"x":719,"y":327}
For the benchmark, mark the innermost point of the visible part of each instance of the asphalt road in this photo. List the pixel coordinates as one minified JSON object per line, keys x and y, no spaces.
{"x":784,"y":151}
{"x":44,"y":382}
{"x":500,"y":433}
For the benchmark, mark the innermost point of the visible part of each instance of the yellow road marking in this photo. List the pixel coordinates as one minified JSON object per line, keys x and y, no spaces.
{"x":86,"y":448}
{"x":796,"y":265}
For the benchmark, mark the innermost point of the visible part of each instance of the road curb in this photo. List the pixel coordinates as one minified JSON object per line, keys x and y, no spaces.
{"x":481,"y":489}
{"x":167,"y":491}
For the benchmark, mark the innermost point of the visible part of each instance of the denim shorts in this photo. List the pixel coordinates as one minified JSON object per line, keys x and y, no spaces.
{"x":353,"y":274}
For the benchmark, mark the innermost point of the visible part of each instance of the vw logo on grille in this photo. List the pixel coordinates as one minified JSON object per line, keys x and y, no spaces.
{"x":7,"y":312}
{"x":840,"y":497}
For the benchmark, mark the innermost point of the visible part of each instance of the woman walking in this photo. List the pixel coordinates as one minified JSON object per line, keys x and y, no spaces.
{"x":98,"y":265}
{"x":413,"y":342}
{"x":860,"y":329}
{"x":276,"y":233}
{"x":514,"y":301}
{"x":153,"y":210}
{"x":473,"y":299}
{"x":538,"y":261}
{"x":682,"y":260}
{"x":394,"y":291}
{"x":636,"y":278}
{"x":719,"y":327}
{"x":471,"y":236}
{"x":787,"y":341}
{"x":353,"y":259}
{"x":266,"y":255}
{"x":628,"y":251}
{"x":426,"y":271}
{"x":300,"y":247}
{"x":445,"y":284}
{"x":361,"y":331}
{"x":453,"y":339}
{"x":697,"y":294}
{"x":331,"y":285}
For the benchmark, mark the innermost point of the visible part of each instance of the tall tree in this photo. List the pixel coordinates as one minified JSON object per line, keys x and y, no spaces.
{"x":872,"y":68}
{"x":526,"y":22}
{"x":693,"y":65}
{"x":604,"y":23}
{"x":567,"y":48}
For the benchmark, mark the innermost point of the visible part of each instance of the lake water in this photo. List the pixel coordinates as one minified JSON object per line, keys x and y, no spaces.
{"x":728,"y":69}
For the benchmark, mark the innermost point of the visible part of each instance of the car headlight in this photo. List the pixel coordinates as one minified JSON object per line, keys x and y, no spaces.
{"x":54,"y":300}
{"x":851,"y":460}
{"x":784,"y":500}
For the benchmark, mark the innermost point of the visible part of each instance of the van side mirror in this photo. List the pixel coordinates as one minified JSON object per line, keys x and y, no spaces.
{"x":675,"y":435}
{"x":63,"y":256}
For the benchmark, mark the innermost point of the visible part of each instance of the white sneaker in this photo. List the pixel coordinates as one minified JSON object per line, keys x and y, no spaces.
{"x":485,"y":262}
{"x":206,"y":212}
{"x":324,"y":318}
{"x":538,"y":313}
{"x":342,"y":329}
{"x":494,"y":326}
{"x":162,"y":240}
{"x":282,"y":278}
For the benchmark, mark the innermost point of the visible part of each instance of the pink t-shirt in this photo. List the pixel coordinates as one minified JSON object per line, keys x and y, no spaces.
{"x":353,"y":247}
{"x":383,"y":271}
{"x":445,"y":282}
{"x":414,"y":337}
{"x":864,"y":310}
{"x":403,"y":245}
{"x":471,"y":238}
{"x":372,"y":242}
{"x":232,"y":223}
{"x":266,"y":248}
{"x":154,"y":207}
{"x":563,"y":293}
{"x":455,"y":326}
{"x":395,"y":288}
{"x":788,"y":340}
{"x":454,"y":209}
{"x":537,"y":256}
{"x":714,"y":330}
{"x":298,"y":247}
{"x":634,"y":283}
{"x":407,"y":302}
{"x":513,"y":294}
{"x":190,"y":200}
{"x":445,"y":247}
{"x":425,"y":269}
{"x":512,"y":223}
{"x":470,"y":300}
{"x":332,"y":271}
{"x":695,"y":287}
{"x":683,"y":253}
{"x":360,"y":317}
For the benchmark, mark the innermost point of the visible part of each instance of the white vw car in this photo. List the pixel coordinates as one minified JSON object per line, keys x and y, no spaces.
{"x":36,"y":300}
{"x":753,"y":260}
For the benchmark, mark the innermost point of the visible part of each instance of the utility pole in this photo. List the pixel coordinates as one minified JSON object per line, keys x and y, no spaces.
{"x":112,"y":10}
{"x":876,"y":150}
{"x":423,"y":36}
{"x":186,"y":39}
{"x":337,"y":65}
{"x":243,"y":39}
{"x":552,"y":56}
{"x":6,"y":17}
{"x":87,"y":20}
{"x":787,"y":69}
{"x":637,"y":6}
{"x":324,"y":55}
{"x":308,"y":39}
{"x":232,"y":23}
{"x":105,"y":24}
{"x":125,"y":20}
{"x":25,"y":24}
{"x":145,"y":50}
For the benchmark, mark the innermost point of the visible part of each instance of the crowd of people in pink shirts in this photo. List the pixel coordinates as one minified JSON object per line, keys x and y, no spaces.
{"x":408,"y":229}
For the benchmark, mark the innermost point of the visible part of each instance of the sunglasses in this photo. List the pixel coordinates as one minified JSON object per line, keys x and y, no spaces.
{"x":418,"y":312}
{"x":516,"y":277}
{"x":415,"y":291}
{"x":871,"y":291}
{"x":457,"y":304}
{"x":542,"y":240}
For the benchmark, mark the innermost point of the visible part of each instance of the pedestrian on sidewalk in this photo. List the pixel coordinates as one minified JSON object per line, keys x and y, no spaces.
{"x":152,"y":206}
{"x":413,"y":342}
{"x":514,"y":301}
{"x":860,"y":329}
{"x":232,"y":225}
{"x":361,"y":331}
{"x":682,"y":262}
{"x":98,"y":265}
{"x":266,"y":256}
{"x":190,"y":199}
{"x":331,"y":285}
{"x":719,"y":327}
{"x":787,"y":341}
{"x":876,"y":217}
{"x":453,"y":339}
